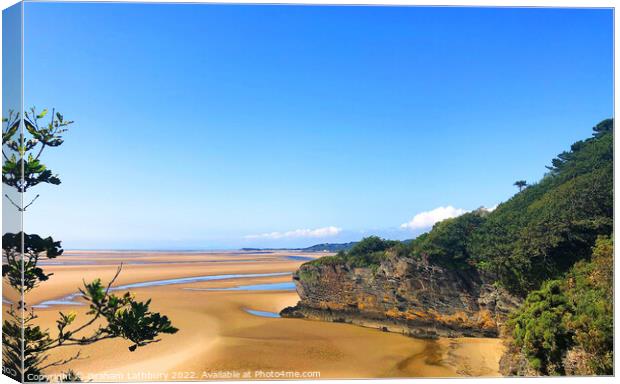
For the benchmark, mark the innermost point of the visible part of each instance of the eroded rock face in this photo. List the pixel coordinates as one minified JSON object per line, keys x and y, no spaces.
{"x":402,"y":295}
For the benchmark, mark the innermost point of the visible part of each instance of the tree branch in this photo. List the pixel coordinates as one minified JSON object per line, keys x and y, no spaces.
{"x":63,"y":362}
{"x":40,"y":151}
{"x":118,"y":272}
{"x":32,"y":201}
{"x":91,"y":321}
{"x":79,"y":342}
{"x":12,"y":202}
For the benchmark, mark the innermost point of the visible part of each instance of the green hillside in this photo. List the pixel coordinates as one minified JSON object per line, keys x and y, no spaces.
{"x":538,"y":245}
{"x":543,"y":230}
{"x":536,"y":235}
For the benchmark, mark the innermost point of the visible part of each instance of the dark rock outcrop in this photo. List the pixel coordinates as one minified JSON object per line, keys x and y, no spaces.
{"x":402,"y":295}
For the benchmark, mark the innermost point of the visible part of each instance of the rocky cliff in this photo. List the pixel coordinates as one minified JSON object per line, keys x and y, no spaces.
{"x":402,"y":295}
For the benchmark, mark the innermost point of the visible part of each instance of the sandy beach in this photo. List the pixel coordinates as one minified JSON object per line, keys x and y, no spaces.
{"x":219,"y":338}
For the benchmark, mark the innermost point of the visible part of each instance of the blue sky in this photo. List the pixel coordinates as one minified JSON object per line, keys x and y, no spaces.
{"x":213,"y":126}
{"x":11,"y":98}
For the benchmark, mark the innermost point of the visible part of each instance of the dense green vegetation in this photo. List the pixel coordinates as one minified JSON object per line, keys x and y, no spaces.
{"x":366,"y":253}
{"x":566,"y":327}
{"x":449,"y":242}
{"x":543,"y":230}
{"x":549,"y":244}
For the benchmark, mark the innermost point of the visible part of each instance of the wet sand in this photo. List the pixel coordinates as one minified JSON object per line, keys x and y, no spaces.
{"x":218,"y":339}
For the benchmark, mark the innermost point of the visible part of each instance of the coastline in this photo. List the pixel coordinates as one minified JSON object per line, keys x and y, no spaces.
{"x":217,"y":334}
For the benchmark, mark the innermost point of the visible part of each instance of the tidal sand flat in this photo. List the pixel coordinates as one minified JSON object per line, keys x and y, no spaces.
{"x":229,"y":325}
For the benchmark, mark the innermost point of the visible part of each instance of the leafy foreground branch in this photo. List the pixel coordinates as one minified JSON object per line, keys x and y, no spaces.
{"x":26,"y":346}
{"x":111,"y":316}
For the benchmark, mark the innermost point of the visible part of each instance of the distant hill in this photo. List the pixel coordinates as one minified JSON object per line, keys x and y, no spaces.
{"x":329,"y":247}
{"x":325,"y":247}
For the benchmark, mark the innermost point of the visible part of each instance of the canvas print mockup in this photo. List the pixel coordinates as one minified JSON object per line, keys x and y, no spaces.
{"x":198,"y":192}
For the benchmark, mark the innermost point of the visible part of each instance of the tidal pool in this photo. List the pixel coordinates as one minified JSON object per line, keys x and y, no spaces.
{"x":262,"y":313}
{"x":71,"y":299}
{"x":285,"y":286}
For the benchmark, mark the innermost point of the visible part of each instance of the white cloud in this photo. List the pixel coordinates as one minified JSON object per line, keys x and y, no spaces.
{"x":491,"y":209}
{"x":298,"y":233}
{"x":428,"y":218}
